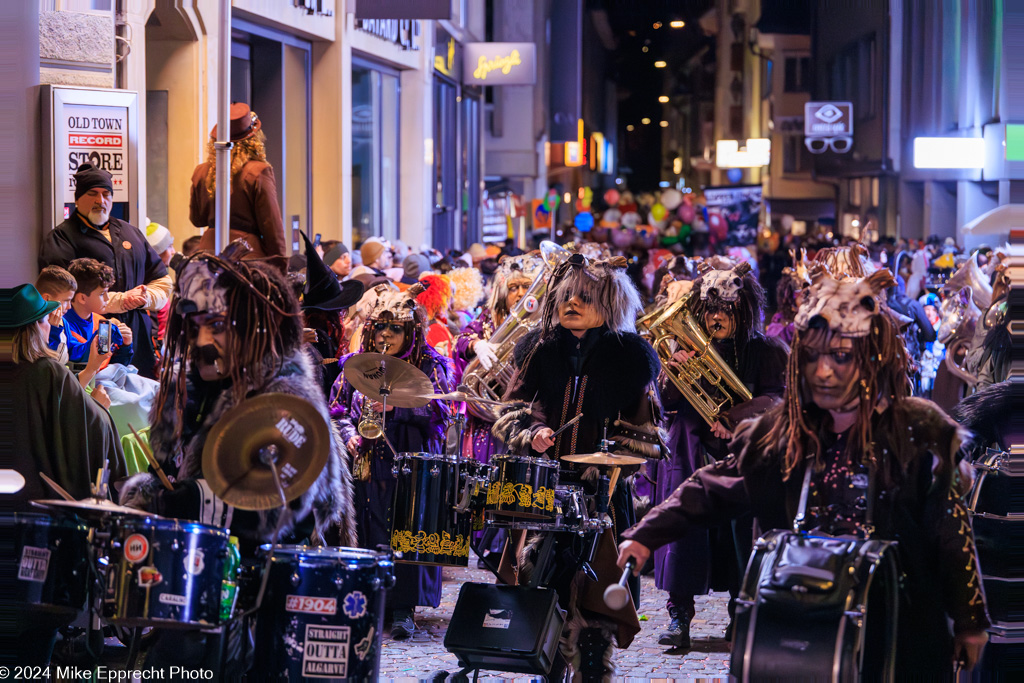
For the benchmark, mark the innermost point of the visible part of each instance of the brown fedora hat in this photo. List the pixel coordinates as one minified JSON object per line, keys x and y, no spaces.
{"x":244,"y":123}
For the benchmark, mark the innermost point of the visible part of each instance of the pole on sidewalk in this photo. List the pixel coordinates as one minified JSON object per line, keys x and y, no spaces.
{"x":222,"y":197}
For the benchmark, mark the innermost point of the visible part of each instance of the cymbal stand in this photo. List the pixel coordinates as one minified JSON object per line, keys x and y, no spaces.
{"x":384,"y":393}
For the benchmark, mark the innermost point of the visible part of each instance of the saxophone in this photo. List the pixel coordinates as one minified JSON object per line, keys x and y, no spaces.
{"x":491,"y":384}
{"x":674,"y":323}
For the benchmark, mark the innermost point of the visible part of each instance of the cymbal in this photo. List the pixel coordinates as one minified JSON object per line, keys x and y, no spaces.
{"x":461,"y":396}
{"x":604,"y":459}
{"x":375,"y":374}
{"x":282,"y":428}
{"x":91,"y":508}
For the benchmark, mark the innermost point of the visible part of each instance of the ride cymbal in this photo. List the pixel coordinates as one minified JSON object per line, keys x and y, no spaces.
{"x":279,"y":428}
{"x":463,"y":397}
{"x":376,"y":375}
{"x":601,"y":458}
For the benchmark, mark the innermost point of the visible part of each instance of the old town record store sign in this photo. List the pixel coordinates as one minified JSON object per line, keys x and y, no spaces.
{"x":95,"y":126}
{"x":500,"y":64}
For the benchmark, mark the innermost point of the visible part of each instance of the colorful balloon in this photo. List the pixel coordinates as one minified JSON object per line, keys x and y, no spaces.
{"x":658,"y":212}
{"x":611,"y":197}
{"x":671,"y":198}
{"x":584,"y":222}
{"x":686,"y":213}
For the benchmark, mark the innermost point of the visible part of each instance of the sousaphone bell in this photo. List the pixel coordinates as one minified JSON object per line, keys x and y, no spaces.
{"x":266,"y":436}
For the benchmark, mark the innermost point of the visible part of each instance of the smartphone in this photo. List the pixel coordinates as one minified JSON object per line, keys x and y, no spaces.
{"x":316,"y":240}
{"x":103,"y":337}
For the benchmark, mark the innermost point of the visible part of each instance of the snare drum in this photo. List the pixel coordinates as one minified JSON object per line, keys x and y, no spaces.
{"x":570,"y":515}
{"x":524,"y":487}
{"x":427,"y":529}
{"x":322,"y":614}
{"x":165,"y":572}
{"x":822,"y":606}
{"x":51,"y":557}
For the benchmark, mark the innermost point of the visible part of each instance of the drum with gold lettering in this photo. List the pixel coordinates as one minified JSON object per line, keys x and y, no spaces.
{"x":426,"y":526}
{"x":524,"y":487}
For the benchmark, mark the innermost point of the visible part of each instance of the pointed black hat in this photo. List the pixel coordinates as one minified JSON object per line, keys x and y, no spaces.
{"x":323,"y":291}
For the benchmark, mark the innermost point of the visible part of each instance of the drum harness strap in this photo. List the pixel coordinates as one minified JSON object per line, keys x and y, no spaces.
{"x":865,"y":531}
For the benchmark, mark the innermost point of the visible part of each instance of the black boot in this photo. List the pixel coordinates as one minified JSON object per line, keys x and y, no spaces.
{"x":593,"y":647}
{"x":678,"y":633}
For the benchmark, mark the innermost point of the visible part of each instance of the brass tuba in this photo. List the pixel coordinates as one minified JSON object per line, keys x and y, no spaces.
{"x":674,"y":323}
{"x":491,"y":384}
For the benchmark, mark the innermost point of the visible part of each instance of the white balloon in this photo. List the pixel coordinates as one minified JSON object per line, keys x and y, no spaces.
{"x":671,"y":198}
{"x":786,"y":221}
{"x":631,"y":219}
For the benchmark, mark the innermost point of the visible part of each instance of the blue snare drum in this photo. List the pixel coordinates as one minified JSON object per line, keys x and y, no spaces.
{"x":322,"y":614}
{"x":165,"y":572}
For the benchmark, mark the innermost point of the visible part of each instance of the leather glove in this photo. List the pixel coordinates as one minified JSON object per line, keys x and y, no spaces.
{"x":485,"y":353}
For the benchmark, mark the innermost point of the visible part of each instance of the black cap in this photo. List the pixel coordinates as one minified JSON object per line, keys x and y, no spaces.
{"x":88,"y":176}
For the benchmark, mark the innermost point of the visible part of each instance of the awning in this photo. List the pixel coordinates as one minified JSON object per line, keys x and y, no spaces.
{"x":802,"y":209}
{"x":999,"y":220}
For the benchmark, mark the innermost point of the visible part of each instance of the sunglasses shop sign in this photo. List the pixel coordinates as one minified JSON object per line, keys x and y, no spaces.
{"x":828,"y":125}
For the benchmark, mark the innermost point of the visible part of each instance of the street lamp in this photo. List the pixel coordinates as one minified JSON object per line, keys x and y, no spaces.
{"x":660,"y":64}
{"x":645,"y":120}
{"x":677,"y":24}
{"x":663,"y":99}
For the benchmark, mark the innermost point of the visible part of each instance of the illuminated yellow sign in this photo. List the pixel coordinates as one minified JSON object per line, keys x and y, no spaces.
{"x":499,"y":64}
{"x":439,"y":62}
{"x":504,"y":64}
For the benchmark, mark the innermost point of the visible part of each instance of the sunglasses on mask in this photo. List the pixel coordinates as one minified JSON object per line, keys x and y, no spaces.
{"x":396,"y":328}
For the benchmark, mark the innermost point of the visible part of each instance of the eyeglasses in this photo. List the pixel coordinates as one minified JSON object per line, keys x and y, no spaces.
{"x":839,"y":145}
{"x":396,"y":328}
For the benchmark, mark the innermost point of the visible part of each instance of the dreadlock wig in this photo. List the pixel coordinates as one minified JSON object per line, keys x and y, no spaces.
{"x":469,"y":288}
{"x":402,"y":308}
{"x":261,"y":312}
{"x":524,"y":268}
{"x":603,"y":284}
{"x":854,"y":309}
{"x":735,"y":290}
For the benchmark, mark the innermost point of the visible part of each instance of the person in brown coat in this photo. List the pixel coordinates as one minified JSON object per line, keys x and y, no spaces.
{"x":255,"y":213}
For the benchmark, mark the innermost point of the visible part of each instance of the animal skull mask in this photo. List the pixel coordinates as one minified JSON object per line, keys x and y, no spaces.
{"x":847,"y":305}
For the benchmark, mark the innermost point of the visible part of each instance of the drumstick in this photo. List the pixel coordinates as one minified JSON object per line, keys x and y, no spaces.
{"x":152,"y":461}
{"x":616,"y":595}
{"x":57,"y":487}
{"x":568,"y":424}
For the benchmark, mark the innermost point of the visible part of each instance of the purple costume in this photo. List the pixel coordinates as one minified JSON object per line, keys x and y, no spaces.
{"x":411,"y":430}
{"x":478,"y":432}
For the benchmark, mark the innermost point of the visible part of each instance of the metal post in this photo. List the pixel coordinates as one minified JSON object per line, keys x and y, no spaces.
{"x":222,"y":198}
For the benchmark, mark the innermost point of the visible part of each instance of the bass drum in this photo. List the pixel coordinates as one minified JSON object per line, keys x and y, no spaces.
{"x":427,"y":529}
{"x":817,"y":608}
{"x":322,"y":614}
{"x":50,"y":563}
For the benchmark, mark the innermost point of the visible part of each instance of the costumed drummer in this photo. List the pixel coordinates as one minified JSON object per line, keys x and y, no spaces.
{"x":235,"y":332}
{"x":396,"y":326}
{"x":728,"y":304}
{"x":585,"y":357}
{"x":848,"y":415}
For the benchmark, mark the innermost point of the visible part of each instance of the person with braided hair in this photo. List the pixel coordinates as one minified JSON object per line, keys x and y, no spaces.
{"x":396,"y":326}
{"x":234,"y":332}
{"x":869,"y":460}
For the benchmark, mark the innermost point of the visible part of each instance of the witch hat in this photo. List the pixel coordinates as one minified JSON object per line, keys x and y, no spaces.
{"x":323,"y":291}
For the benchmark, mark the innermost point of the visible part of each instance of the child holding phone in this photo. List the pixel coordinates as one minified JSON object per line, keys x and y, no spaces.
{"x":84,"y":320}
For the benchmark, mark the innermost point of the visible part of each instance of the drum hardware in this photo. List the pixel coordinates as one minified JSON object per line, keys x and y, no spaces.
{"x":270,"y":444}
{"x":90,"y":508}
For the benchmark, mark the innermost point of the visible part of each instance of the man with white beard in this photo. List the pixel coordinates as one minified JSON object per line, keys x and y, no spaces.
{"x":141,"y":281}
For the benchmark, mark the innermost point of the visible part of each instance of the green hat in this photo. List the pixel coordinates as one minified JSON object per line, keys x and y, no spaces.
{"x":23,"y":305}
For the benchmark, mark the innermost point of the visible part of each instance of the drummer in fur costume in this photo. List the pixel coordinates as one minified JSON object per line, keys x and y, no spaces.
{"x":848,"y":416}
{"x":397,"y":326}
{"x":585,"y":357}
{"x":235,"y":332}
{"x":728,"y":304}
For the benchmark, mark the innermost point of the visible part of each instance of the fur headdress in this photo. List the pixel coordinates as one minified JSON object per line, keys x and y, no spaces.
{"x":733,"y":287}
{"x":469,"y":288}
{"x":603,"y":283}
{"x":846,"y":305}
{"x":394,"y":305}
{"x":846,"y":262}
{"x":726,"y":284}
{"x":524,"y":267}
{"x":436,"y":299}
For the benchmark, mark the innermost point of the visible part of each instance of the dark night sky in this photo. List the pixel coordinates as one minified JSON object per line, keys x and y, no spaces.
{"x":639,"y":82}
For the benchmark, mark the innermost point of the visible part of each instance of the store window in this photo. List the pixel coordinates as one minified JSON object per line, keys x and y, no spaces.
{"x":446,"y":182}
{"x":375,"y":127}
{"x":469,"y":109}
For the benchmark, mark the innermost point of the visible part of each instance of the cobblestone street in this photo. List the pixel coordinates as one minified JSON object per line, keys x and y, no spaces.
{"x":424,"y":654}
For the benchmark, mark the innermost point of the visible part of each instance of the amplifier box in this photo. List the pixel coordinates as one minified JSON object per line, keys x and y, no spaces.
{"x":505,"y":628}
